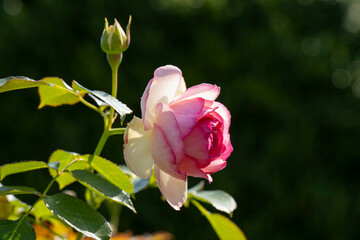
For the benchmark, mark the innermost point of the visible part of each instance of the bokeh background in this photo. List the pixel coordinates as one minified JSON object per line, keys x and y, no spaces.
{"x":289,"y":72}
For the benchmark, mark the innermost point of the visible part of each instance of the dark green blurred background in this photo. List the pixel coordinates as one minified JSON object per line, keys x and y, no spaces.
{"x":289,"y":72}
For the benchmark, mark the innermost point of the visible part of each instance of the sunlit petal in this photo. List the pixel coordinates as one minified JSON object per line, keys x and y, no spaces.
{"x":137,"y":151}
{"x":173,"y":189}
{"x":167,"y":84}
{"x":204,"y":90}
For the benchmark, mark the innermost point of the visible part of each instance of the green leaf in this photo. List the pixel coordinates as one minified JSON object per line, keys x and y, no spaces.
{"x":20,"y":167}
{"x":17,"y":230}
{"x":103,"y":187}
{"x":11,"y":207}
{"x":198,"y":187}
{"x":54,"y":165}
{"x":64,"y":158}
{"x":15,"y":83}
{"x":40,"y":211}
{"x":93,"y":198}
{"x":6,"y":209}
{"x":224,"y":227}
{"x":56,"y":93}
{"x":79,"y":215}
{"x":6,"y":190}
{"x":138,"y":183}
{"x":111,"y":172}
{"x":118,"y":106}
{"x":218,"y":199}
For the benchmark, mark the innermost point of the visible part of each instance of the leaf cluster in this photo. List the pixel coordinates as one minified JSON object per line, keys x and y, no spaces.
{"x":55,"y":92}
{"x":103,"y":180}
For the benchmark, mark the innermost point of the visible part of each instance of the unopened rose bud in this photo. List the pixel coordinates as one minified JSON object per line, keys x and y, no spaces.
{"x":113,"y":39}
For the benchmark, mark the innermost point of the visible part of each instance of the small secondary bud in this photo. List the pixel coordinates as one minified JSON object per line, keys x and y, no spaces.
{"x":113,"y":39}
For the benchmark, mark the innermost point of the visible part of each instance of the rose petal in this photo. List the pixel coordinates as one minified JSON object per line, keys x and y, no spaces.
{"x":137,"y":151}
{"x":190,"y":167}
{"x":166,"y":143}
{"x":228,"y":148}
{"x":187,"y":113}
{"x":223,"y":112}
{"x":173,"y":189}
{"x":167,"y":122}
{"x":199,"y":143}
{"x":214,"y":166}
{"x":144,"y":98}
{"x":204,"y":90}
{"x":223,"y":115}
{"x":167,"y":84}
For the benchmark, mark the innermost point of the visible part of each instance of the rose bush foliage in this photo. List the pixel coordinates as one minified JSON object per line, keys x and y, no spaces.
{"x":183,"y":132}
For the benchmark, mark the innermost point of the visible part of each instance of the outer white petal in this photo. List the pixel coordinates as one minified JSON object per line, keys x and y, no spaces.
{"x":137,"y":151}
{"x":173,"y":189}
{"x":167,"y":84}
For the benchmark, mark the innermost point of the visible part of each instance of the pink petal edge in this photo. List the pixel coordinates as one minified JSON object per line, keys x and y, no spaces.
{"x":204,"y":90}
{"x":164,"y":87}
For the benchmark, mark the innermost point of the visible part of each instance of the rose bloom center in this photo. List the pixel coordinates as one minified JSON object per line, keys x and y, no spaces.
{"x":205,"y":141}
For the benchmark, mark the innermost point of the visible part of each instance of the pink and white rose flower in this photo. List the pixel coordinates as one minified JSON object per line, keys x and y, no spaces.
{"x":183,"y":132}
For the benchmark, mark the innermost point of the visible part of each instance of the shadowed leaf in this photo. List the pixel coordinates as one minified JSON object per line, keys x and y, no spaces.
{"x":79,"y":215}
{"x":103,"y":187}
{"x":6,"y":190}
{"x":17,"y":230}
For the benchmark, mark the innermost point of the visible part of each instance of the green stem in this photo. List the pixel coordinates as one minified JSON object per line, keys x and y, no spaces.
{"x":114,"y":80}
{"x":101,"y":143}
{"x":23,"y":217}
{"x":49,"y":185}
{"x":86,"y":103}
{"x":114,"y":61}
{"x":116,"y":131}
{"x":115,"y":211}
{"x":57,"y":175}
